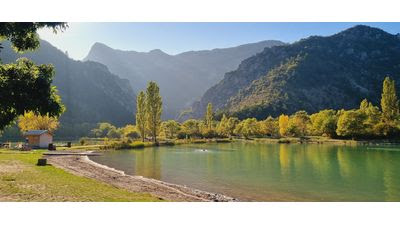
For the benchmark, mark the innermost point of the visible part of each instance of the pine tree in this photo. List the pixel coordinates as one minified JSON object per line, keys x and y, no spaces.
{"x":389,"y":101}
{"x":153,"y":109}
{"x":141,"y":114}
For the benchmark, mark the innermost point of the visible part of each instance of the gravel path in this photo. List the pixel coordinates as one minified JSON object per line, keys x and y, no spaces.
{"x":82,"y":166}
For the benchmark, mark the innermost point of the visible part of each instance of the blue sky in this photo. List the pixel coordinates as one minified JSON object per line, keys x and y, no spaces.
{"x":174,"y":38}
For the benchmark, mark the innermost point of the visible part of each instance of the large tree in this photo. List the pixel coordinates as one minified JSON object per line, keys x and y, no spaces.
{"x":209,"y":117}
{"x":141,"y":114}
{"x":25,"y":86}
{"x":32,"y":121}
{"x":153,"y":109}
{"x":389,"y":101}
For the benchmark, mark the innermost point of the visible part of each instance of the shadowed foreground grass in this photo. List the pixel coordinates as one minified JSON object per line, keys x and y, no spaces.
{"x":22,"y":180}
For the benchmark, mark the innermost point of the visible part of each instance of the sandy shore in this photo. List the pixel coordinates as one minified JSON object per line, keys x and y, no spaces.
{"x":82,"y":166}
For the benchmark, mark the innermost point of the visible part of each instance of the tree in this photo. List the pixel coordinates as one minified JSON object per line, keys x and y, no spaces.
{"x":247,"y":128}
{"x":269,"y":127}
{"x":283,"y":124}
{"x":350,"y":124}
{"x":191,"y":127}
{"x":103,"y":129}
{"x":153,"y":109}
{"x":372,"y":117}
{"x":222,"y":128}
{"x":209,"y":117}
{"x":389,"y":101}
{"x":130,"y":131}
{"x":324,"y":122}
{"x":170,"y":128}
{"x":298,"y":123}
{"x":32,"y":121}
{"x":141,"y":114}
{"x":25,"y":86}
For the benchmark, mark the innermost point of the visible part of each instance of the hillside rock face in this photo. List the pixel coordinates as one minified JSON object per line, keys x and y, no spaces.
{"x":182,"y":78}
{"x":316,"y":73}
{"x":90,"y":92}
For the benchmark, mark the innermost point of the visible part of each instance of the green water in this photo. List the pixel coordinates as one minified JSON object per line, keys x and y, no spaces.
{"x":271,"y":172}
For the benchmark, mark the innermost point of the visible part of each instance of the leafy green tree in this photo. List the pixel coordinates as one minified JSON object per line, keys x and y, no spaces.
{"x":231,"y":125}
{"x":248,"y":128}
{"x":222,"y":128}
{"x":350,"y":124}
{"x":191,"y":128}
{"x":324,"y":122}
{"x":25,"y":86}
{"x":103,"y":129}
{"x":170,"y":128}
{"x":209,"y":117}
{"x":153,"y":109}
{"x":114,"y":133}
{"x":130,"y":131}
{"x":389,"y":101}
{"x":141,"y":114}
{"x":372,"y":117}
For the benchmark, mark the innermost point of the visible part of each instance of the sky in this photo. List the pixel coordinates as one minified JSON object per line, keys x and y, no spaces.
{"x":174,"y":38}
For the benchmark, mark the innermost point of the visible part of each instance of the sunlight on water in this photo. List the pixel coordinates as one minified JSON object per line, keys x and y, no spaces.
{"x":271,"y":172}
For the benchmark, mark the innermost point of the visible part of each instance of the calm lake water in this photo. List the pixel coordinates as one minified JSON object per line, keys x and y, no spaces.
{"x":271,"y":172}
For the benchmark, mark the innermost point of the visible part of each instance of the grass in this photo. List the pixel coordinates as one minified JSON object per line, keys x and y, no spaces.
{"x":22,"y":180}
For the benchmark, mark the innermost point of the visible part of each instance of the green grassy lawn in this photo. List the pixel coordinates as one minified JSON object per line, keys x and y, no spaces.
{"x":22,"y":180}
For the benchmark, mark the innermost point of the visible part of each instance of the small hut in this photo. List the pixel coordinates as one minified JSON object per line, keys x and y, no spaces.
{"x":38,"y":138}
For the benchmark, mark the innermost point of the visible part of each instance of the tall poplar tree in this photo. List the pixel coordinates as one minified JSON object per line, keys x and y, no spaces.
{"x":209,"y":116}
{"x":389,"y":101}
{"x":141,"y":114}
{"x":153,"y":109}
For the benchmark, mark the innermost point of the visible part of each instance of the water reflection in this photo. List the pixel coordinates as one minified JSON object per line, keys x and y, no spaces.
{"x":278,"y":172}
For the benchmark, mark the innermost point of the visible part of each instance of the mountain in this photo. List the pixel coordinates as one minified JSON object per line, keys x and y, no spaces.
{"x":183,"y":78}
{"x":90,"y":92}
{"x":316,"y":73}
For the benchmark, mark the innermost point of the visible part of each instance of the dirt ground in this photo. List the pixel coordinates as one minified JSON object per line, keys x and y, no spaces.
{"x":83,"y":166}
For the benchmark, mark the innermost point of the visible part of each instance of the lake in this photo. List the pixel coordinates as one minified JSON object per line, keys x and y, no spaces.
{"x":270,"y":172}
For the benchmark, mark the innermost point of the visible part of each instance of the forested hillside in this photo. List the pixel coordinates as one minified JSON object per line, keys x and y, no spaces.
{"x":315,"y":73}
{"x":89,"y":91}
{"x":183,"y":78}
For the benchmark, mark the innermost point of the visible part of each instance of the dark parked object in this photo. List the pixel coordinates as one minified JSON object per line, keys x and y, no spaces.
{"x":42,"y":162}
{"x":51,"y":147}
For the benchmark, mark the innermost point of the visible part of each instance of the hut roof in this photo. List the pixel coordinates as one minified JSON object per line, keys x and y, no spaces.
{"x":35,"y":132}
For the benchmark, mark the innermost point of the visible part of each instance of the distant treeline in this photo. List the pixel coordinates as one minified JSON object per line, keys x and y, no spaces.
{"x":366,"y":122}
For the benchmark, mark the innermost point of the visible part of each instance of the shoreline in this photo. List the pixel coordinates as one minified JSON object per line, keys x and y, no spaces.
{"x":82,"y":166}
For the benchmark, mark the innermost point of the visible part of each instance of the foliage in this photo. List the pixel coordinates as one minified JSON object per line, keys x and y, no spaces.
{"x":209,"y":117}
{"x":350,"y":124}
{"x":298,"y":124}
{"x":247,"y":128}
{"x":141,"y":114}
{"x":153,"y":109}
{"x":32,"y":121}
{"x":269,"y":127}
{"x":283,"y":124}
{"x":191,"y":128}
{"x":324,"y":123}
{"x":389,"y":101}
{"x":25,"y":86}
{"x":170,"y":128}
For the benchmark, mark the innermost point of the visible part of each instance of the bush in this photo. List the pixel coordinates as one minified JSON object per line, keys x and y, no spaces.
{"x":82,"y":141}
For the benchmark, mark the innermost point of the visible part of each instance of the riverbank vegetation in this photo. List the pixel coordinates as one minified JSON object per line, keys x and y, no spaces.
{"x":368,"y":122}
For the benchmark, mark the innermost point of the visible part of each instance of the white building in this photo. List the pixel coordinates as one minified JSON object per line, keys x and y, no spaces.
{"x":39,"y":138}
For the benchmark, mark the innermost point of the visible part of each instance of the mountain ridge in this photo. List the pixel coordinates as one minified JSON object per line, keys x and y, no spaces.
{"x":192,"y":72}
{"x":339,"y":69}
